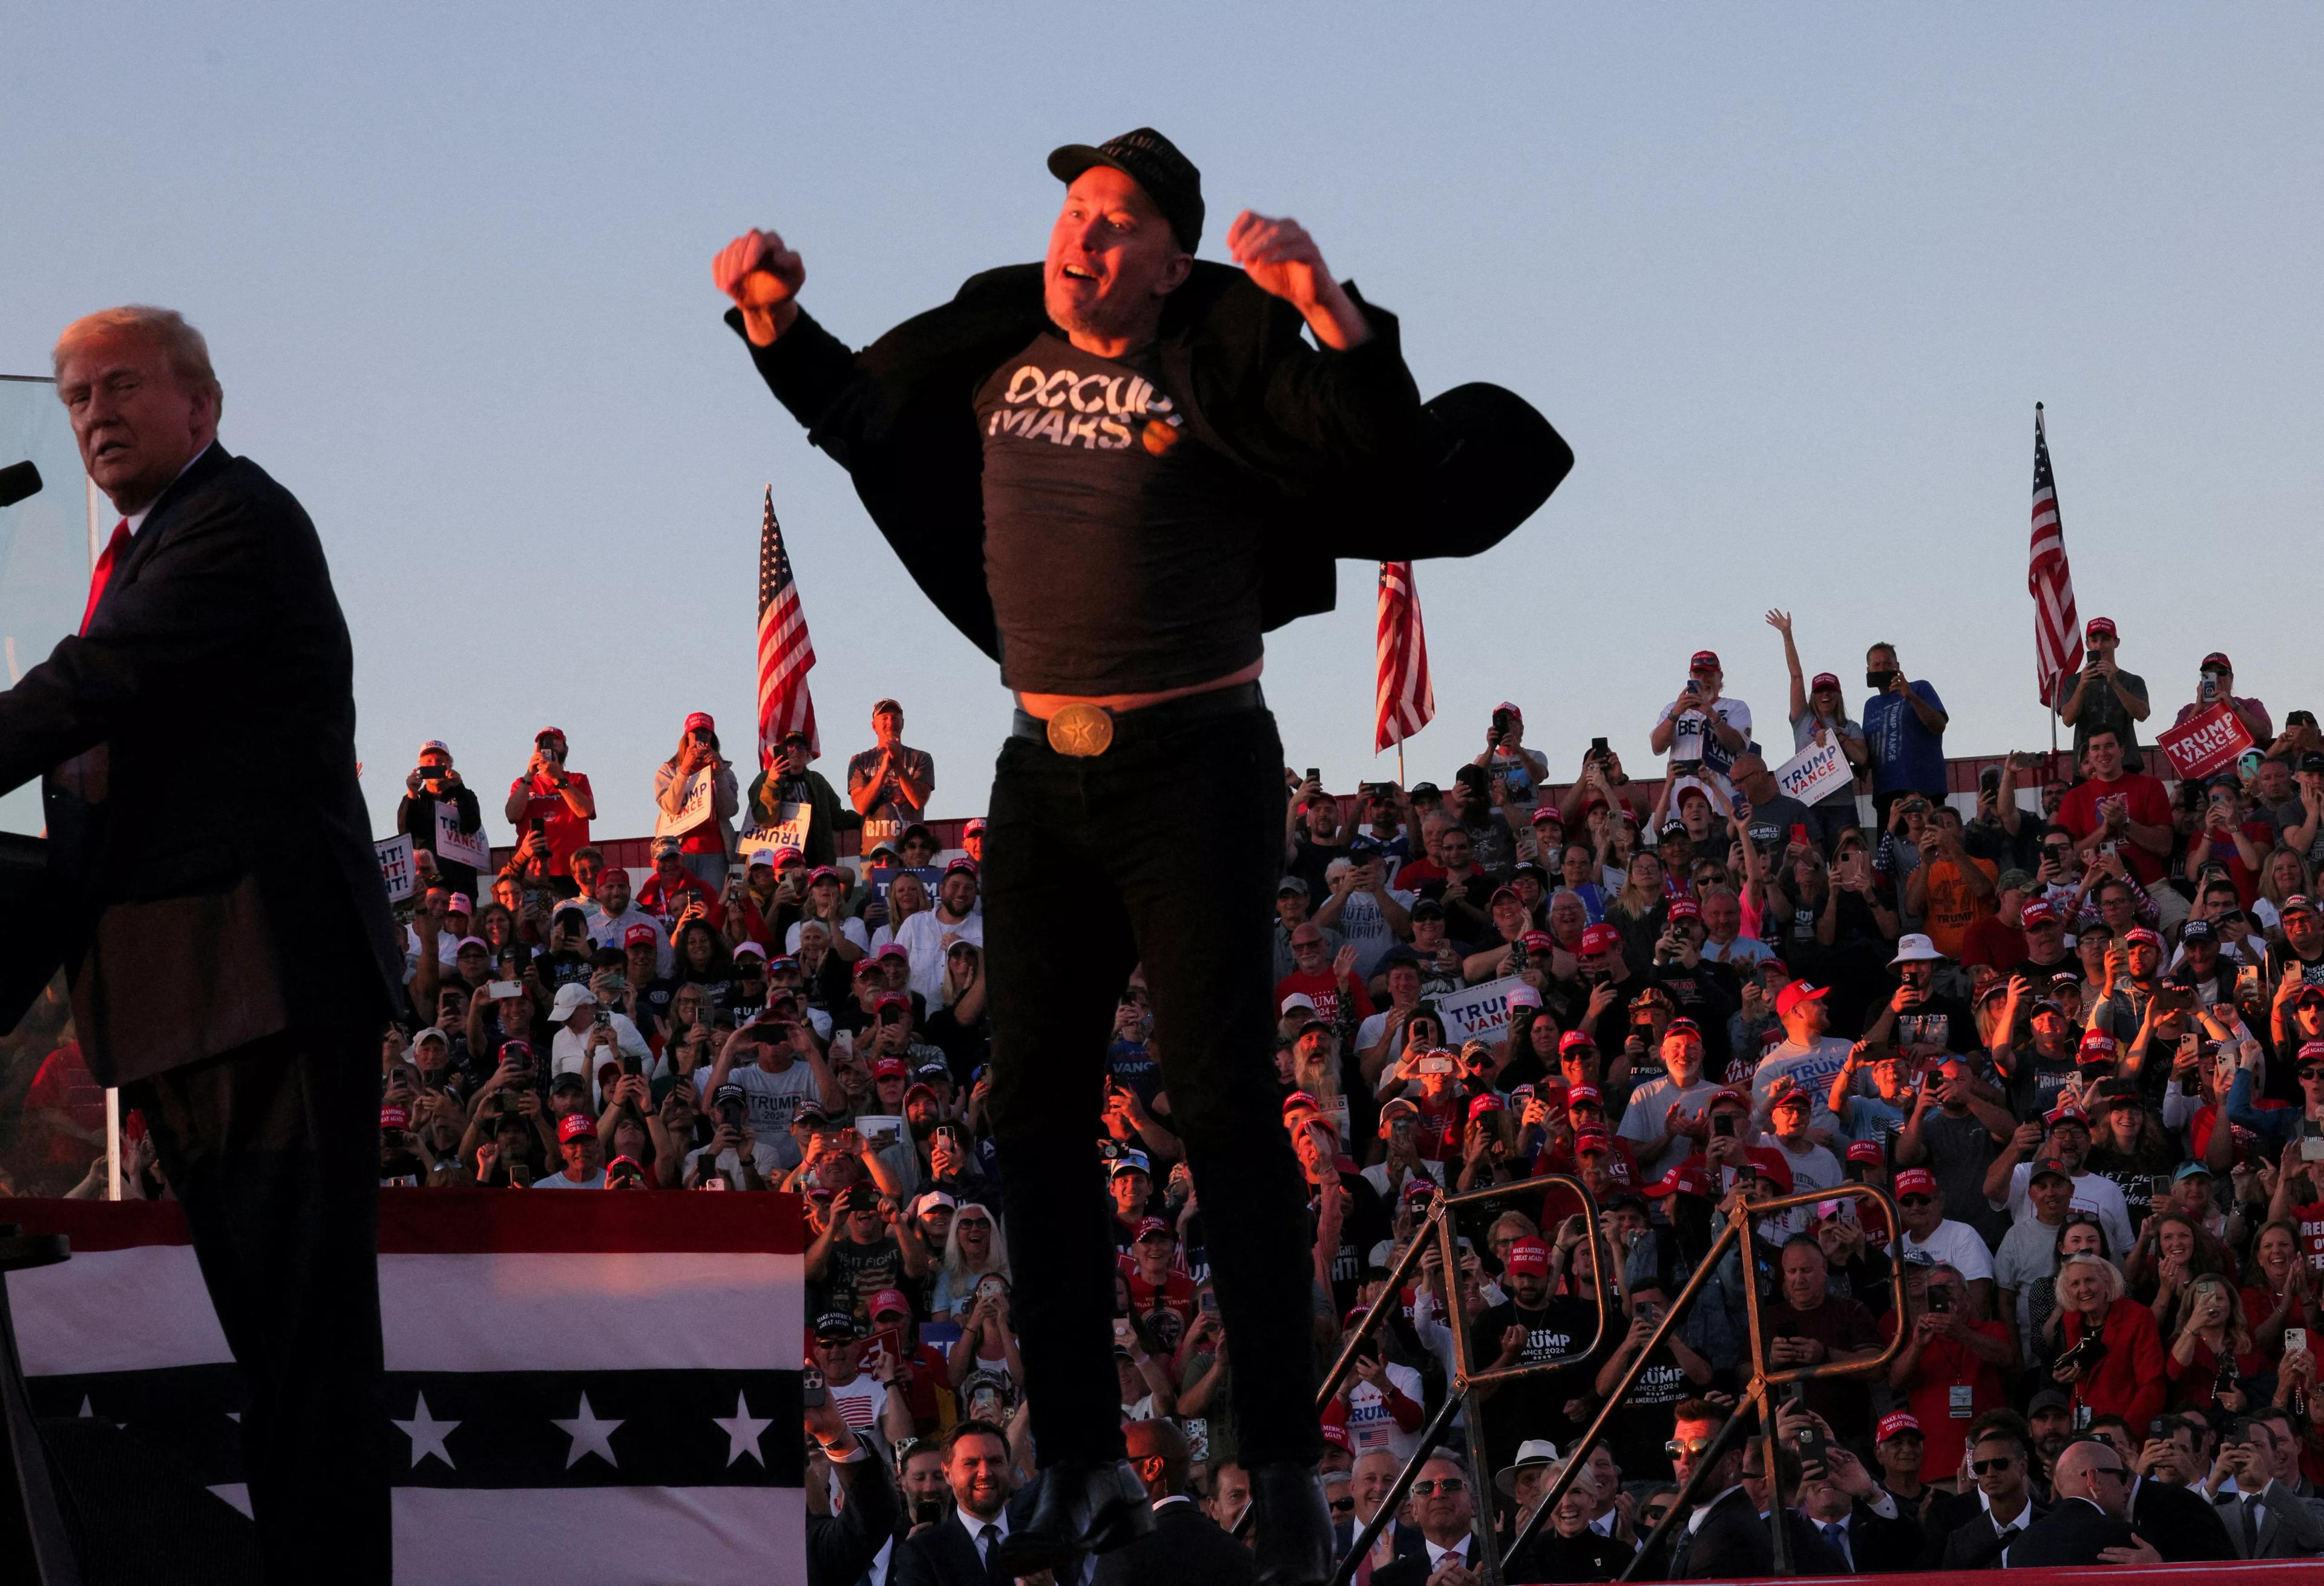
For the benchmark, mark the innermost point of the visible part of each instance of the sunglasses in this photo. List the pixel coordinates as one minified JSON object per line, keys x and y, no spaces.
{"x":1986,"y":1467}
{"x":2310,"y":1071}
{"x":970,"y":1223}
{"x":1344,"y":1506}
{"x":1912,"y":1200}
{"x":1693,"y":1450}
{"x":1449,"y":1486}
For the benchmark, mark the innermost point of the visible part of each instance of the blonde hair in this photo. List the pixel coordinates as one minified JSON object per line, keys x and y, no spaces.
{"x":187,"y":354}
{"x":2112,"y":1273}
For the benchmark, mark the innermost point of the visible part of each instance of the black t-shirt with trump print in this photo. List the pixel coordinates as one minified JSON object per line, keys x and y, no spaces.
{"x":1118,"y":554}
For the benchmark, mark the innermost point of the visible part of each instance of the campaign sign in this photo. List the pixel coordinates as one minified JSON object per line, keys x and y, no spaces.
{"x":2208,"y":741}
{"x":1813,"y":772}
{"x":787,"y":830}
{"x":1480,"y":1010}
{"x":395,"y":865}
{"x":881,"y":877}
{"x":468,"y":848}
{"x":695,"y":809}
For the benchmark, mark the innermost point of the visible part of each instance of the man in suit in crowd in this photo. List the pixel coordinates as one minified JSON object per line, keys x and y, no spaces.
{"x":1369,"y":1484}
{"x":2262,"y":1517}
{"x":1728,"y":1535}
{"x":2001,"y":1463}
{"x":2181,"y":1524}
{"x":840,"y":1547}
{"x":1184,"y":1545}
{"x":2088,"y":1522}
{"x":958,"y":1550}
{"x":213,"y":898}
{"x":1445,"y":1502}
{"x":1859,"y":1520}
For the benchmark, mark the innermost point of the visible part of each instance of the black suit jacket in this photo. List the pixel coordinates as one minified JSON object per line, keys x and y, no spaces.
{"x":840,"y":1547}
{"x":1339,"y":443}
{"x":2072,"y":1533}
{"x":2182,"y":1526}
{"x":1734,"y":1541}
{"x":210,"y":875}
{"x":1882,"y":1546}
{"x":1184,"y":1545}
{"x":943,"y":1555}
{"x":1973,"y":1545}
{"x":1412,"y":1569}
{"x":1404,"y":1541}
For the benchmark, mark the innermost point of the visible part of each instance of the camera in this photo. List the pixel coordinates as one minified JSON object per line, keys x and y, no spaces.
{"x":1878,"y":681}
{"x":1722,"y":1124}
{"x":2087,"y":1354}
{"x":1941,"y":1299}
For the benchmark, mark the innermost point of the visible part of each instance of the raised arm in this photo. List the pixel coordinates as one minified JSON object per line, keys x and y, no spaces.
{"x":1781,"y":621}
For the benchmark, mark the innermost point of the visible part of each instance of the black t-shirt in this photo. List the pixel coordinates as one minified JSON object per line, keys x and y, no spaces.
{"x":857,"y":1272}
{"x":1119,"y":550}
{"x":2034,"y":1080}
{"x":1534,"y":1406}
{"x":1939,"y":1021}
{"x":1364,"y":1223}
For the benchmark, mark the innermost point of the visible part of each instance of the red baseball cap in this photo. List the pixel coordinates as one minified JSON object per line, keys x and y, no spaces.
{"x":1482,"y":1105}
{"x":700,"y":722}
{"x":2100,"y":625}
{"x":888,"y":1302}
{"x":1147,"y":1227}
{"x":1527,"y":1255}
{"x":1897,"y":1424}
{"x":2066,"y":1113}
{"x":1727,"y":1094}
{"x":1867,"y":1151}
{"x":1589,"y":1096}
{"x":394,"y":1118}
{"x":640,"y":933}
{"x":1769,"y":1165}
{"x":1548,"y":813}
{"x":890,"y":1067}
{"x":1419,"y":1187}
{"x":1300,"y":1101}
{"x":1797,"y":992}
{"x":575,"y":1125}
{"x":886,"y":1000}
{"x":2217,"y":661}
{"x":1685,"y":908}
{"x":1336,"y":1434}
{"x":1824,"y":680}
{"x":1682,"y":1026}
{"x":1601,"y":937}
{"x":1539,"y":942}
{"x":961,"y":866}
{"x":2140,"y":936}
{"x":1687,"y":1178}
{"x":866,"y":966}
{"x":2098,"y":1046}
{"x":1575,"y":1040}
{"x":1592,"y":1140}
{"x":1916,"y":1181}
{"x":1705,"y":660}
{"x":1794,"y":1097}
{"x":2037,"y":913}
{"x":2310,"y":1052}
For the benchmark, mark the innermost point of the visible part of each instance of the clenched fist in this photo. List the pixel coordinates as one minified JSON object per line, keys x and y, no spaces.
{"x":764,"y":277}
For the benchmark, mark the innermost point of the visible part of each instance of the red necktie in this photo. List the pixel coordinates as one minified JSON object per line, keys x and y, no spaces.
{"x":103,"y":570}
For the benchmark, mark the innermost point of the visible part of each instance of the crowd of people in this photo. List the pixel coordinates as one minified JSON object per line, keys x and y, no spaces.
{"x":2072,"y":1023}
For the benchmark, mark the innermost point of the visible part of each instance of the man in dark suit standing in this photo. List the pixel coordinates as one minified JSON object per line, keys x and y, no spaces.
{"x":2086,"y":1523}
{"x":961,"y":1548}
{"x":1445,"y":1501}
{"x":214,"y":899}
{"x":1858,"y":1518}
{"x":1185,"y":1544}
{"x":2002,"y":1463}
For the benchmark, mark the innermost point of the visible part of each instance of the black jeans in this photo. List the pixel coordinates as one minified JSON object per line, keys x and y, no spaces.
{"x":1165,"y":849}
{"x":273,"y":1152}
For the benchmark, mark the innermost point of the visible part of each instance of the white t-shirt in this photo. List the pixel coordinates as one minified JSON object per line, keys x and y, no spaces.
{"x":773,"y":1098}
{"x":2093,"y":1193}
{"x":1812,"y":1169}
{"x":558,"y":1180}
{"x":1687,"y":726}
{"x":764,"y":1156}
{"x":568,"y":1052}
{"x":607,"y":931}
{"x":1647,"y":1114}
{"x":1371,"y":1426}
{"x":928,"y":939}
{"x":1363,"y":927}
{"x":1955,"y":1245}
{"x":851,"y":927}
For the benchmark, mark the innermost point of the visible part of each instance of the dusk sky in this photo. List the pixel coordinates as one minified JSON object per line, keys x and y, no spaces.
{"x":1789,"y":279}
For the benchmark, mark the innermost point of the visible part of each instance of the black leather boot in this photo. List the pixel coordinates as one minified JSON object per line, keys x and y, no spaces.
{"x":1292,"y":1525}
{"x":1083,"y":1507}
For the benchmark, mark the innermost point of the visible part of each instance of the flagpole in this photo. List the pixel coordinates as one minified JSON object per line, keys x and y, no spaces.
{"x":1399,"y":764}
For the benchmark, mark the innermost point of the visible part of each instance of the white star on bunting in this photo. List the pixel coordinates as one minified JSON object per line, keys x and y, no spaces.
{"x":742,"y":1432}
{"x":428,"y":1434}
{"x":590,"y":1435}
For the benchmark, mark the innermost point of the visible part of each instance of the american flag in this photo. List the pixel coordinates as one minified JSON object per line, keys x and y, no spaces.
{"x":1406,"y":701}
{"x":785,"y":651}
{"x":2057,"y":628}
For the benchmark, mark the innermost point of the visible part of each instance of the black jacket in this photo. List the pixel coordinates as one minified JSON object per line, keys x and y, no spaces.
{"x":943,"y":1554}
{"x":1973,"y":1544}
{"x":2183,"y":1526}
{"x":1734,"y":1541}
{"x":1880,"y":1546}
{"x":210,"y":877}
{"x":2073,"y":1532}
{"x":1185,"y":1544}
{"x":840,"y":1547}
{"x":1338,"y":444}
{"x":1548,"y":1556}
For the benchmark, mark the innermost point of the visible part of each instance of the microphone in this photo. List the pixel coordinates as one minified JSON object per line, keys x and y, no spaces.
{"x":18,"y":480}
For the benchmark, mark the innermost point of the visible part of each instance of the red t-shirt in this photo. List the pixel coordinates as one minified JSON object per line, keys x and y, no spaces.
{"x":2207,"y":1118}
{"x":65,"y":1084}
{"x":2148,"y":804}
{"x":566,"y":831}
{"x":2224,"y":851}
{"x":2191,"y":1385}
{"x":1988,"y":941}
{"x":666,"y":903}
{"x":2310,"y":1220}
{"x":1325,"y":992}
{"x":1942,"y":1367}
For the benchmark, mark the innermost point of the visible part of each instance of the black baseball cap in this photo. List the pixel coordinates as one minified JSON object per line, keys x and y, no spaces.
{"x":1151,"y":160}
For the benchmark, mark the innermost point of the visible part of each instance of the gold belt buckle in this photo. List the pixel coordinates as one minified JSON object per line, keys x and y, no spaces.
{"x":1081,"y":731}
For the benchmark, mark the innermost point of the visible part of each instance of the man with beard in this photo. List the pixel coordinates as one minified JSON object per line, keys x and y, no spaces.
{"x":1528,"y":1327}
